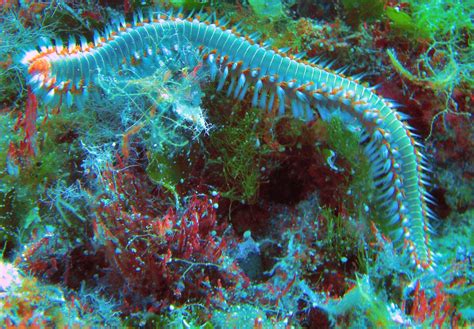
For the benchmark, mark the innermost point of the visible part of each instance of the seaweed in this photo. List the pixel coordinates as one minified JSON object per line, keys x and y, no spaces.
{"x":238,"y":151}
{"x":358,"y":11}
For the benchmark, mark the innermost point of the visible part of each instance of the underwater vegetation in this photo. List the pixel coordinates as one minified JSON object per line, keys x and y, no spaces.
{"x":179,"y":170}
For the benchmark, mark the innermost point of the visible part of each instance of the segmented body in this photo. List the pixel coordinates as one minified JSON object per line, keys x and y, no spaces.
{"x":279,"y":82}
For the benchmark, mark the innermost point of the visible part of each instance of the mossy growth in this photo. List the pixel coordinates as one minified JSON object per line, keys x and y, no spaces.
{"x":445,"y":34}
{"x":15,"y":202}
{"x":7,"y":136}
{"x":8,"y":90}
{"x":167,"y":171}
{"x":267,"y":8}
{"x":276,"y":27}
{"x":404,"y":24}
{"x":21,"y":190}
{"x":432,"y":19}
{"x":191,"y":4}
{"x":343,"y":145}
{"x":358,"y":11}
{"x":238,"y":152}
{"x":341,"y":241}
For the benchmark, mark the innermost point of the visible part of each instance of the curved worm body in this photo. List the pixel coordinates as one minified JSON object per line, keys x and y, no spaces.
{"x":279,"y":82}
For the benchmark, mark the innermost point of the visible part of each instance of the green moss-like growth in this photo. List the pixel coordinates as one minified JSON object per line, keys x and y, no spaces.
{"x":7,"y":135}
{"x":8,"y":90}
{"x":405,"y":24}
{"x":267,"y":8}
{"x":239,"y":155}
{"x":166,"y":171}
{"x":191,"y":4}
{"x":432,"y":19}
{"x":346,"y":144}
{"x":338,"y":244}
{"x":56,"y":156}
{"x":358,"y":11}
{"x":13,"y":207}
{"x":440,"y":57}
{"x":55,"y":153}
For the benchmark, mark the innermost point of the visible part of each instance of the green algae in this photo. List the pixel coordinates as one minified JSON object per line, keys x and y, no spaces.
{"x":191,"y":4}
{"x":345,"y":144}
{"x":33,"y":176}
{"x":358,"y":11}
{"x":267,"y":8}
{"x":239,"y":154}
{"x":433,"y":19}
{"x":163,"y":170}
